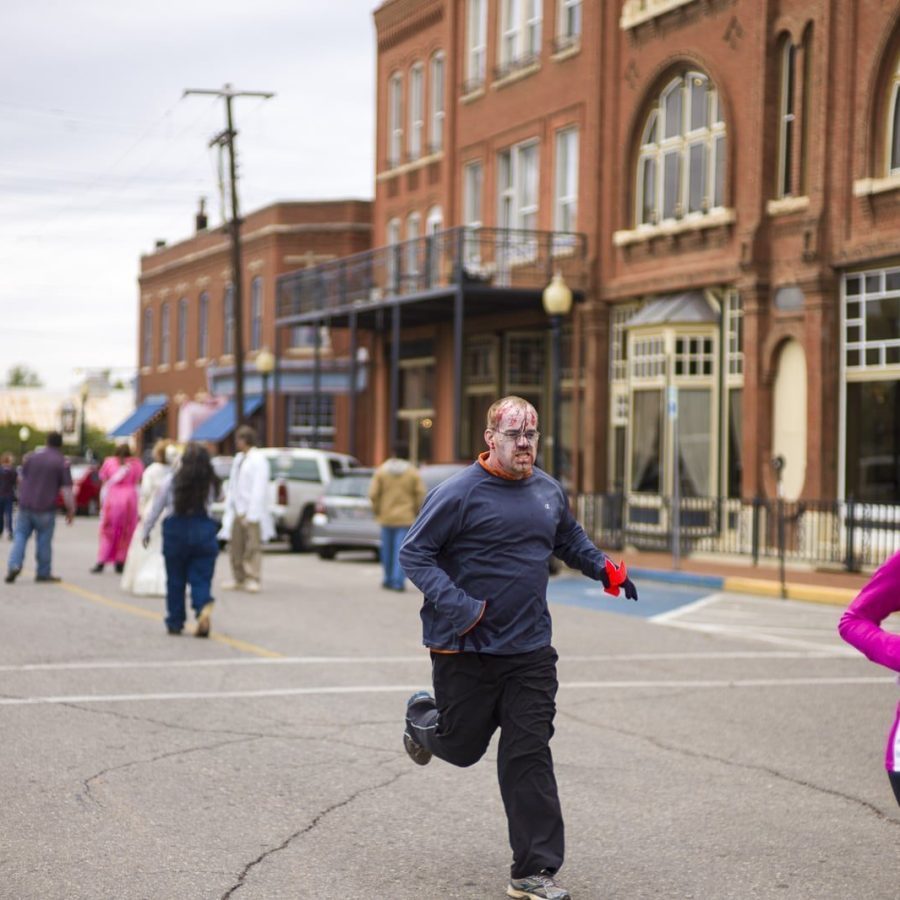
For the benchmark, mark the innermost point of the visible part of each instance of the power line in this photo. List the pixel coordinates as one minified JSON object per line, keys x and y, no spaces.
{"x":227,"y":138}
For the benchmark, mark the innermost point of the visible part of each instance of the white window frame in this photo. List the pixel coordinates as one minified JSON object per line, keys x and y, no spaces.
{"x":520,"y":32}
{"x":472,"y":209}
{"x":476,"y":43}
{"x":436,"y":123}
{"x":411,"y":266}
{"x":181,"y":333}
{"x":395,"y":119}
{"x":203,"y":325}
{"x":787,"y":120}
{"x":147,"y":354}
{"x":518,"y":190}
{"x":893,"y":122}
{"x":656,"y":148}
{"x":416,"y":111}
{"x":565,"y":188}
{"x":568,"y":24}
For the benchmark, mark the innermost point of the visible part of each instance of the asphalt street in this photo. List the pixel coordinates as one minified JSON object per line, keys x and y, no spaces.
{"x":708,"y":746}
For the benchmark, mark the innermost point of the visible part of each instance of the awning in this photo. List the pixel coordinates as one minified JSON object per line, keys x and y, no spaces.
{"x":217,"y":427}
{"x":149,"y":409}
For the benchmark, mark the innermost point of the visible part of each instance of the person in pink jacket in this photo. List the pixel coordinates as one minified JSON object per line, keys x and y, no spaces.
{"x":860,"y":626}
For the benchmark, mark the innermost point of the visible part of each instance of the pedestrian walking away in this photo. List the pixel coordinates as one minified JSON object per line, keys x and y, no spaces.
{"x":189,"y":542}
{"x":145,"y":569}
{"x":396,"y":492}
{"x":480,"y":552}
{"x":45,"y":473}
{"x":121,"y":475}
{"x":8,"y":478}
{"x":247,"y":521}
{"x":860,"y":626}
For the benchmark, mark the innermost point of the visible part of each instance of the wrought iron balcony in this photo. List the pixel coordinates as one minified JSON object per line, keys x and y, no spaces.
{"x":476,"y":259}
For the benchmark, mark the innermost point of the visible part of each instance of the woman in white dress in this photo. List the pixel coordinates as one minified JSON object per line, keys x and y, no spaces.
{"x":145,"y":568}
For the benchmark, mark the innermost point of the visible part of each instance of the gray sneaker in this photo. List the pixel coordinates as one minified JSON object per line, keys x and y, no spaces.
{"x":416,"y":752}
{"x":542,"y":886}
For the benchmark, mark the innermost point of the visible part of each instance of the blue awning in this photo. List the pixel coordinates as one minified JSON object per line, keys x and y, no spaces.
{"x":220,"y":424}
{"x":149,"y":409}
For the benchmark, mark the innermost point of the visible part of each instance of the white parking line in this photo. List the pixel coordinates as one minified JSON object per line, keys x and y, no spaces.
{"x":679,"y":611}
{"x":408,"y":688}
{"x":817,"y":652}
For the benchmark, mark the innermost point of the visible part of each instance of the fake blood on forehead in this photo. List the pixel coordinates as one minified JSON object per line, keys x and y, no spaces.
{"x":513,"y":416}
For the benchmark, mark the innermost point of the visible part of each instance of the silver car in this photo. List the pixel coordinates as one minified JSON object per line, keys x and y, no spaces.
{"x":344,"y":519}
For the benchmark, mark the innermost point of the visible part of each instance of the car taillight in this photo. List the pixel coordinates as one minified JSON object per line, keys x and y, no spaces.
{"x":282,"y":494}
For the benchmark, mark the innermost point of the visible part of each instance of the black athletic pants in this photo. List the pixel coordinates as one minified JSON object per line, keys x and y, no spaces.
{"x":895,"y":784}
{"x":476,"y":693}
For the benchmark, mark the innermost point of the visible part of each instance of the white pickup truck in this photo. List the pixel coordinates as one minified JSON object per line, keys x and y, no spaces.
{"x":297,"y":478}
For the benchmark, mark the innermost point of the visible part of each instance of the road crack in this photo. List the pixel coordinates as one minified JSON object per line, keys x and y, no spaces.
{"x":752,"y":767}
{"x":306,"y":830}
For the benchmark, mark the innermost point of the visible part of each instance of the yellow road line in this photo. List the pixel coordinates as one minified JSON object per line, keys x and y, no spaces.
{"x":132,"y":609}
{"x":808,"y":592}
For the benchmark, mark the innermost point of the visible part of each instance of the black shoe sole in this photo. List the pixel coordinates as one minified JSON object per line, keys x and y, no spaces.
{"x":11,"y":575}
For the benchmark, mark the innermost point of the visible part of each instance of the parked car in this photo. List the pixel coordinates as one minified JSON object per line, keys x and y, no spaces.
{"x":85,"y":487}
{"x":296,"y":480}
{"x":344,"y":519}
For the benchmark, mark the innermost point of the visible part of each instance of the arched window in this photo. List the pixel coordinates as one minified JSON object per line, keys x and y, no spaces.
{"x":395,"y":119}
{"x":681,"y":161}
{"x":787,"y":120}
{"x":893,"y":154}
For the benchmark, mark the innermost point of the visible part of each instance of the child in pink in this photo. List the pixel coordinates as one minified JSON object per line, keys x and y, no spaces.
{"x":861,"y":626}
{"x":121,"y":475}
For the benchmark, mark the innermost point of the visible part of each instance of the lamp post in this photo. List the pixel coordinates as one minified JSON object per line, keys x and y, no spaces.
{"x":265,"y":364}
{"x":557,"y":300}
{"x":24,"y":434}
{"x":83,"y":393}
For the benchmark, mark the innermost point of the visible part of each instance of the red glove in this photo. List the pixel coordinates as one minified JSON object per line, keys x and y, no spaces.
{"x":616,"y":577}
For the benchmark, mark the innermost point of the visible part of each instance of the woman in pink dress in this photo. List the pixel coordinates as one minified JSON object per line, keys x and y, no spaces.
{"x":121,"y":476}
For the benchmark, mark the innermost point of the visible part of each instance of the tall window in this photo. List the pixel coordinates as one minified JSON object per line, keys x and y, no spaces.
{"x":565,"y":189}
{"x":787,"y":121}
{"x":518,"y":187}
{"x":228,"y":320}
{"x":436,"y":126}
{"x":308,"y":417}
{"x":894,"y":125}
{"x":520,"y":32}
{"x":165,"y":336}
{"x":147,"y":336}
{"x":433,"y":224}
{"x":568,"y":27}
{"x":416,"y":111}
{"x":476,"y":43}
{"x":413,"y":233}
{"x":395,"y":119}
{"x":473,"y":177}
{"x":203,"y":326}
{"x":681,"y":163}
{"x":393,"y":238}
{"x":181,"y":342}
{"x":256,"y":313}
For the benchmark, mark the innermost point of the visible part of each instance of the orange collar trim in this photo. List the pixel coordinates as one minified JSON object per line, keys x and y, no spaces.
{"x":483,"y":460}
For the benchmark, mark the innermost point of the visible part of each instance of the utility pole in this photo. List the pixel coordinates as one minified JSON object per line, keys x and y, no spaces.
{"x":226,"y":138}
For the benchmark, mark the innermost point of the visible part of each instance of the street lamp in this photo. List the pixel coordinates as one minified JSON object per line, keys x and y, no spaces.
{"x":24,"y":434}
{"x":557,"y":300}
{"x":265,"y":365}
{"x":83,"y":393}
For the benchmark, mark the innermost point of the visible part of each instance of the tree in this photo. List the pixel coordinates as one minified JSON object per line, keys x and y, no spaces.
{"x":21,"y":376}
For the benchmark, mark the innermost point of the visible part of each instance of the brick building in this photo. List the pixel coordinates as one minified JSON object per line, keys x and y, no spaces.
{"x":717,"y":179}
{"x":186,"y":332}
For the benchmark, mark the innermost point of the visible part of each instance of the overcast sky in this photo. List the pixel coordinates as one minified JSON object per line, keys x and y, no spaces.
{"x":100,"y":155}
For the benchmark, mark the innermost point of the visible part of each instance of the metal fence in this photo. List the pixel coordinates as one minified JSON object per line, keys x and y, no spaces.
{"x":489,"y":257}
{"x":815,"y":532}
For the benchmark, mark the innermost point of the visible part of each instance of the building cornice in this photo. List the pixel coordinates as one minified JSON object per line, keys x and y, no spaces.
{"x":400,"y":20}
{"x":246,"y":239}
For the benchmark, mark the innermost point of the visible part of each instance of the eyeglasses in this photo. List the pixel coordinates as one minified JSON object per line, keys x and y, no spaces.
{"x":530,"y":437}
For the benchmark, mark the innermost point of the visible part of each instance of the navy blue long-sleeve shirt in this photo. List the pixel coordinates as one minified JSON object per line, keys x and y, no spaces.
{"x":479,"y":551}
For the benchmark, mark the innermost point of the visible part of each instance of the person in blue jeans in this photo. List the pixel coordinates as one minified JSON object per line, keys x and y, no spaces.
{"x":8,"y":479}
{"x":190,"y":546}
{"x":397,"y":493}
{"x":45,"y":473}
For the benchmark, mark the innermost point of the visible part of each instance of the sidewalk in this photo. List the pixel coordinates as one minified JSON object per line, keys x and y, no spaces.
{"x":730,"y":574}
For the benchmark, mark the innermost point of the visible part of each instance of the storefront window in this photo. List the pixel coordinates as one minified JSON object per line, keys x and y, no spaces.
{"x":873,"y":441}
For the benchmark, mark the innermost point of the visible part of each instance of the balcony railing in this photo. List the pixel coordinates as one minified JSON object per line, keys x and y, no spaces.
{"x":812,"y":532}
{"x":482,"y":257}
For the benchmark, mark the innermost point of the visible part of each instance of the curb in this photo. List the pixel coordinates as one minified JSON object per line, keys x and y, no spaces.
{"x":809,"y":593}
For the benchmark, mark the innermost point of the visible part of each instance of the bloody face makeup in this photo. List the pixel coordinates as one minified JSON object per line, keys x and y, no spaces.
{"x":512,"y":443}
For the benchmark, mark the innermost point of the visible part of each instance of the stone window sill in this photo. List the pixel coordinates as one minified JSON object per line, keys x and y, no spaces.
{"x":645,"y":233}
{"x":864,"y":187}
{"x":786,"y":205}
{"x":472,"y":95}
{"x":419,"y":163}
{"x":567,"y":51}
{"x":516,"y":75}
{"x":635,"y":12}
